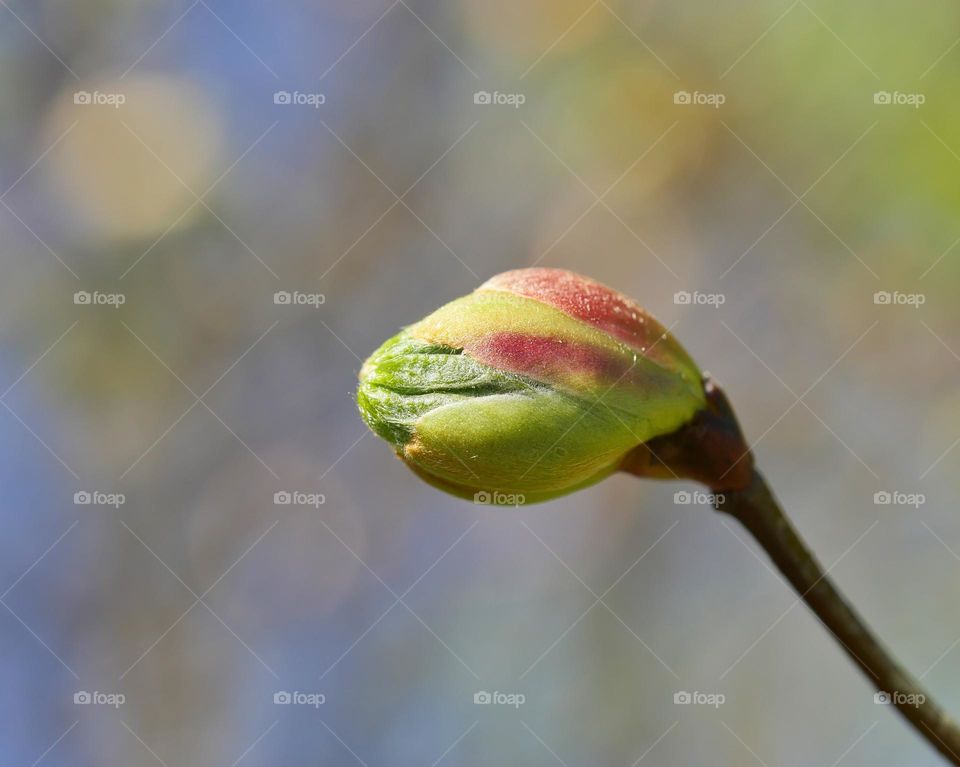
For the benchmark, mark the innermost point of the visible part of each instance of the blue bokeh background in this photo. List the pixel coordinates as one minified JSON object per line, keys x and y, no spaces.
{"x":199,"y":197}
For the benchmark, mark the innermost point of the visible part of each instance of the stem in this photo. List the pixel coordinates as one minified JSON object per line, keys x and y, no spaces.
{"x":711,"y":449}
{"x":758,"y":511}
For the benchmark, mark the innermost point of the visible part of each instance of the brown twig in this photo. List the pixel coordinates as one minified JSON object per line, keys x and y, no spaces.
{"x":711,"y":449}
{"x":757,"y":510}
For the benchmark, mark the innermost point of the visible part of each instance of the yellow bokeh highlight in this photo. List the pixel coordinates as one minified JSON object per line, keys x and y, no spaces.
{"x":139,"y":151}
{"x":524,"y":31}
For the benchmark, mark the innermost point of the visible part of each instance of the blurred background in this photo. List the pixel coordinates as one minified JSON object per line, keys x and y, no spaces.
{"x":211,"y":212}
